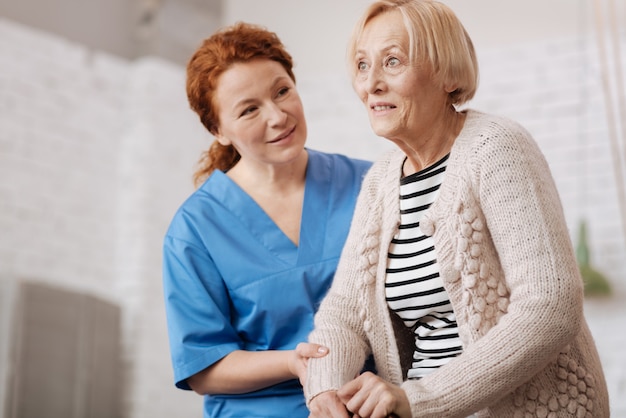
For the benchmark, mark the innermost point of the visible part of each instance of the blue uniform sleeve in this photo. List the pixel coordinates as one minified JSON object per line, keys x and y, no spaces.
{"x":198,"y":310}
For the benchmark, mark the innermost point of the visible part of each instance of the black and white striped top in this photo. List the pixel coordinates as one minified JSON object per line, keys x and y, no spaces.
{"x":413,"y":287}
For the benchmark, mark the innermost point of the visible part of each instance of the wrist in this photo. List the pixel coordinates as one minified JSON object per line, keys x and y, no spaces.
{"x":320,"y":396}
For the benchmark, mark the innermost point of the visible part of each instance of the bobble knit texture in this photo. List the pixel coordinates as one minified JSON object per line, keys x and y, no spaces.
{"x":508,"y":266}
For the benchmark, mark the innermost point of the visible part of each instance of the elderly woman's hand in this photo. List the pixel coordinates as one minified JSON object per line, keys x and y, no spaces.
{"x":369,"y":396}
{"x":328,"y":405}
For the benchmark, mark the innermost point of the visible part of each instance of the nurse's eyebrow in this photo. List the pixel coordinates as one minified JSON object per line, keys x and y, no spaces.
{"x":243,"y":103}
{"x":248,"y":101}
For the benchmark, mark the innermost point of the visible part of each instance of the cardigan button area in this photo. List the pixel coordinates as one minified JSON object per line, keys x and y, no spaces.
{"x":367,"y":326}
{"x":468,"y":215}
{"x":427,"y":226}
{"x":372,"y":228}
{"x":372,"y":241}
{"x":450,"y":274}
{"x":362,"y":314}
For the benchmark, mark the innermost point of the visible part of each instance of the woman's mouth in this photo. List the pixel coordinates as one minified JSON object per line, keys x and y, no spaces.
{"x":283,"y":135}
{"x":378,"y":108}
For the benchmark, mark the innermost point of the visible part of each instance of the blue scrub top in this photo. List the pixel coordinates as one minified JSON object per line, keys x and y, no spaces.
{"x":234,"y":281}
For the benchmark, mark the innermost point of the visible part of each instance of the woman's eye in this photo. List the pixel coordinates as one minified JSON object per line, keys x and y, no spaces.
{"x":283,"y":91}
{"x":392,"y":61}
{"x":361,"y":66}
{"x":248,"y":110}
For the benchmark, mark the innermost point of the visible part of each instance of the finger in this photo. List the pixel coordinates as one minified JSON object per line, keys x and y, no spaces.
{"x":327,"y":405}
{"x":348,"y":390}
{"x":354,"y":396}
{"x":311,"y":350}
{"x":369,"y":396}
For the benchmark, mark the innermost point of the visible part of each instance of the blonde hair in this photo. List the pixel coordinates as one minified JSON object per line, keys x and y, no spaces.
{"x":436,"y":36}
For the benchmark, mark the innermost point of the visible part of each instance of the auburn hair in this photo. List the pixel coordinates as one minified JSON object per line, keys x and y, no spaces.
{"x":238,"y":43}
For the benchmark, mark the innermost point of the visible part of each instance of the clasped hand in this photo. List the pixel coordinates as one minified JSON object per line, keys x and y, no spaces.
{"x":299,"y":358}
{"x":367,"y":396}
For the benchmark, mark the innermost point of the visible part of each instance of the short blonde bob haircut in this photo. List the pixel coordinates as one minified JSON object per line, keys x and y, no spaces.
{"x":436,"y":36}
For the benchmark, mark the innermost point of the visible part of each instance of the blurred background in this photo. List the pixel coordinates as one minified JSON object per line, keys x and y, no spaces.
{"x":98,"y":145}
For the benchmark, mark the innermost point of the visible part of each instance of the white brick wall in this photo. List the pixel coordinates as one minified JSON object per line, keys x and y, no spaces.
{"x":158,"y":152}
{"x":96,"y":153}
{"x":57,"y":163}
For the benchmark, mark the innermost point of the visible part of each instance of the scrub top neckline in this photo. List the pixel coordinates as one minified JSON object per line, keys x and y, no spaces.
{"x":260,"y":225}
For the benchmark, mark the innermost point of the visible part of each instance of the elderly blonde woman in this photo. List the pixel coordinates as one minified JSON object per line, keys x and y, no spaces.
{"x":458,"y":274}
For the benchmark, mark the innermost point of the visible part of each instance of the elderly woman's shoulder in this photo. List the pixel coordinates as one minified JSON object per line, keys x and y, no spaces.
{"x":487,"y":125}
{"x":486,"y":135}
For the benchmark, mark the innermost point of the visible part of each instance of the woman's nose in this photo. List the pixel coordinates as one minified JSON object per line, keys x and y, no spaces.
{"x":374,"y":82}
{"x":276,"y":115}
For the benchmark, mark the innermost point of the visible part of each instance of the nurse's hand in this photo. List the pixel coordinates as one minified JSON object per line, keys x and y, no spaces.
{"x":328,"y":405}
{"x":299,"y":358}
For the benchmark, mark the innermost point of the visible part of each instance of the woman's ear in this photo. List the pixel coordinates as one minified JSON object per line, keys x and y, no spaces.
{"x":222,"y":139}
{"x":449,"y":87}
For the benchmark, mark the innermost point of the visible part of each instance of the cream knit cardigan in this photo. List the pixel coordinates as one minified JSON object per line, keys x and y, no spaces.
{"x":508,"y":266}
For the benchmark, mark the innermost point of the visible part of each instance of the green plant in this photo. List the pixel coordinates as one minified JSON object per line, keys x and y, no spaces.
{"x":596,"y":284}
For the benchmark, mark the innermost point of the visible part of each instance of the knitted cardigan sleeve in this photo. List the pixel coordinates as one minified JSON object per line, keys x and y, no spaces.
{"x":341,"y":321}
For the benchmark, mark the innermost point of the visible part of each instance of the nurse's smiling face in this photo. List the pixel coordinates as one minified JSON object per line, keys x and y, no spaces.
{"x":260,"y":112}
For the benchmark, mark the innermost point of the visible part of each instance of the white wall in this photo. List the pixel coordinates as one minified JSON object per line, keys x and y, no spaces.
{"x":316,"y":31}
{"x":96,"y":154}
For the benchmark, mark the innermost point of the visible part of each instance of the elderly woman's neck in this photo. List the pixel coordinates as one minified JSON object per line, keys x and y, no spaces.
{"x":433,"y":144}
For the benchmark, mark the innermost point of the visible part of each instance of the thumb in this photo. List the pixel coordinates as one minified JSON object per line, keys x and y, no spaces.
{"x":311,"y":350}
{"x":320,"y":350}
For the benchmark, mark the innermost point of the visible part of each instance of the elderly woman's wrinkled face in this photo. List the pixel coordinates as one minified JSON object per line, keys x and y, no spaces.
{"x":401,"y":97}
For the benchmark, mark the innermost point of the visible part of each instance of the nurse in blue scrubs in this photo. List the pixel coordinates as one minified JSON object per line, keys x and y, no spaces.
{"x":251,"y":253}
